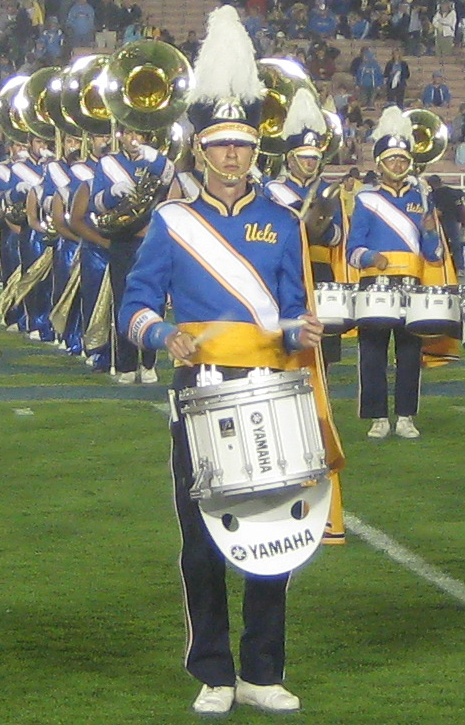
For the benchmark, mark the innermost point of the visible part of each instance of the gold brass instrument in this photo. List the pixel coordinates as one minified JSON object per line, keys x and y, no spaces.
{"x":82,"y":102}
{"x":10,"y":120}
{"x":145,"y":87}
{"x":30,"y":102}
{"x":282,"y":78}
{"x":430,"y":136}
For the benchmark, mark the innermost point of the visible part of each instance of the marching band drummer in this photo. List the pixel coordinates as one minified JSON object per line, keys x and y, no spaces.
{"x":391,"y":235}
{"x":304,"y":135}
{"x":116,"y":176}
{"x":231,"y":253}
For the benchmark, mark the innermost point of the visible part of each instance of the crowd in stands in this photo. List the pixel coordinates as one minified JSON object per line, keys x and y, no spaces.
{"x":37,"y":33}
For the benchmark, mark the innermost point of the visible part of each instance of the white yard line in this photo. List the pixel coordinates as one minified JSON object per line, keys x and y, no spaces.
{"x":382,"y":542}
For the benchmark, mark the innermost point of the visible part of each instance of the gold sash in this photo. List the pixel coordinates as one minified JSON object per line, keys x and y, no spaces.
{"x":98,"y":329}
{"x":34,"y":274}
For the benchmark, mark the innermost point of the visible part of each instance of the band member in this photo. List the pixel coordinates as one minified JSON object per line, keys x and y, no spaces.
{"x":14,"y":316}
{"x":230,"y":250}
{"x":94,"y":258}
{"x":392,"y":234}
{"x":304,"y":132}
{"x":116,"y":176}
{"x":26,"y":176}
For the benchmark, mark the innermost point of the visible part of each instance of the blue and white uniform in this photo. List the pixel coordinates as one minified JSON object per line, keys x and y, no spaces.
{"x":389,"y":222}
{"x":9,"y":252}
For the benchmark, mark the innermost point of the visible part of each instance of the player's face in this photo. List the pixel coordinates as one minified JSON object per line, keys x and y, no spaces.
{"x":396,"y":166}
{"x":303,"y":167}
{"x":70,"y":144}
{"x":230,"y":160}
{"x":131,"y":140}
{"x":100,"y":144}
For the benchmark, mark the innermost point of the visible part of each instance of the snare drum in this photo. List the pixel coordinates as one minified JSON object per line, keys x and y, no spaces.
{"x":254,"y":434}
{"x":379,"y":306}
{"x":433,"y":311}
{"x":335,"y":307}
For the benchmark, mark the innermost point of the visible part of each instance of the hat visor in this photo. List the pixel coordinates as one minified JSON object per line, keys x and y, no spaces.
{"x":310,"y":152}
{"x":389,"y":153}
{"x":229,"y":132}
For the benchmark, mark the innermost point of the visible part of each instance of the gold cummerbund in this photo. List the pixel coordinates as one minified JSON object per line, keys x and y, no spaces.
{"x":235,"y":344}
{"x":319,"y":253}
{"x":405,"y":264}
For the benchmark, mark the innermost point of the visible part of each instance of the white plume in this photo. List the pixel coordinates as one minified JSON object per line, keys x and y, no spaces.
{"x":393,"y":123}
{"x":304,"y":112}
{"x":225,"y":65}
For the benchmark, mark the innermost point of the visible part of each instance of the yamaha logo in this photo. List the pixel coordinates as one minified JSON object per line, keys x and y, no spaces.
{"x":256,"y":418}
{"x":238,"y":553}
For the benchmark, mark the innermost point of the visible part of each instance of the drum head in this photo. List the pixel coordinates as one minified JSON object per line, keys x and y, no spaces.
{"x":269,"y":534}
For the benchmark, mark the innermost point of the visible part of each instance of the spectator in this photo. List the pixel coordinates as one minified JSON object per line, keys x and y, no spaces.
{"x":81,"y":24}
{"x":29,"y":65}
{"x":343,"y":29}
{"x":370,"y":180}
{"x":322,"y":21}
{"x":321,"y":66}
{"x":396,"y":74}
{"x":191,"y":46}
{"x":36,"y":15}
{"x":356,"y":61}
{"x":354,"y":112}
{"x":368,"y":126}
{"x":449,"y":203}
{"x":369,"y":79}
{"x":414,"y":29}
{"x":457,"y":131}
{"x":107,"y":23}
{"x":360,"y":26}
{"x":444,"y":22}
{"x":52,"y":38}
{"x":427,"y":35}
{"x":341,"y":100}
{"x":400,"y":23}
{"x":129,"y":13}
{"x":326,"y":97}
{"x":253,"y":22}
{"x":436,"y":93}
{"x":132,"y":33}
{"x":150,"y":30}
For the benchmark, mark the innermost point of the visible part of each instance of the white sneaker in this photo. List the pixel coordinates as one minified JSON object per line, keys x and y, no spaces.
{"x":127,"y":378}
{"x":148,"y":376}
{"x":13,"y":328}
{"x":62,"y":345}
{"x":274,"y":698}
{"x":34,"y":335}
{"x":380,"y":428}
{"x":214,"y":700}
{"x":405,"y":427}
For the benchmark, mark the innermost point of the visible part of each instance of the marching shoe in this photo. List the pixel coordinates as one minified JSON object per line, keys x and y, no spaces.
{"x":405,"y":427}
{"x":148,"y":376}
{"x":34,"y":335}
{"x":127,"y":378}
{"x":379,"y":428}
{"x":274,"y":698}
{"x":214,"y":700}
{"x":13,"y":328}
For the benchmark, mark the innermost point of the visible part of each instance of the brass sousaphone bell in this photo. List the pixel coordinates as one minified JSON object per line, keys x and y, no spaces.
{"x":430,"y":136}
{"x":11,"y":122}
{"x":282,"y":78}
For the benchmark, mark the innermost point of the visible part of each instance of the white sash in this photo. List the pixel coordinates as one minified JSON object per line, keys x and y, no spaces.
{"x":25,"y":173}
{"x":5,"y":173}
{"x":115,"y":172}
{"x":189,"y":184}
{"x":82,"y":172}
{"x":393,"y":217}
{"x":58,"y":174}
{"x":222,"y":261}
{"x":282,"y":193}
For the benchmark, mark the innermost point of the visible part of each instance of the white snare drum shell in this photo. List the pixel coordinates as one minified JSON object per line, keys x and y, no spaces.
{"x":433,"y":311}
{"x":378,"y":307}
{"x":335,"y":307}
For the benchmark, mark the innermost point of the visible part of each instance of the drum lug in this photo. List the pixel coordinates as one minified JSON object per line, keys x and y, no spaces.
{"x":201,"y":487}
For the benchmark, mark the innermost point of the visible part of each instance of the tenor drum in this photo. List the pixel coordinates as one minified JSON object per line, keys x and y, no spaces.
{"x":335,"y":307}
{"x":433,"y":311}
{"x":379,"y":306}
{"x":259,"y":468}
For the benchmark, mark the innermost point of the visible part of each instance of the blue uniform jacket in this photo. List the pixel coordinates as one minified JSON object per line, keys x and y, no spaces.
{"x":385,"y":221}
{"x":203,"y":283}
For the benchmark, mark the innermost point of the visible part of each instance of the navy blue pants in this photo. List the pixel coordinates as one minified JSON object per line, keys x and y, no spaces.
{"x":122,"y":255}
{"x":209,"y":656}
{"x":373,"y":349}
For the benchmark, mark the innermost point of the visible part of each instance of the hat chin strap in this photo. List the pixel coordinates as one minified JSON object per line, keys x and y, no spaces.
{"x":221,"y":174}
{"x":307,"y":176}
{"x":391,"y":175}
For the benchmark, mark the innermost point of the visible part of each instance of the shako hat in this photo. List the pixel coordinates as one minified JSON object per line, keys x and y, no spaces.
{"x":225,"y":103}
{"x":393,"y":135}
{"x":305,"y":128}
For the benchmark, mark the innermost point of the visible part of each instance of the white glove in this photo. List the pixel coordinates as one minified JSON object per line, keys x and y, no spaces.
{"x":122,"y":188}
{"x":23,"y":187}
{"x":148,"y":153}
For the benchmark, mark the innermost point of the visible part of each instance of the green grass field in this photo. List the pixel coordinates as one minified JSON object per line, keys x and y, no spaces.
{"x":90,"y":606}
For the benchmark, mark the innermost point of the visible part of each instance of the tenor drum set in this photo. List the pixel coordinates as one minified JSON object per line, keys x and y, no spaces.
{"x":423,"y":310}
